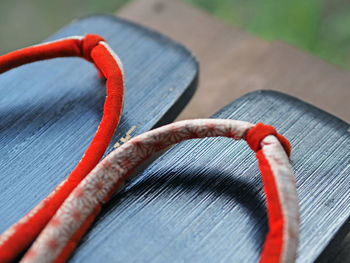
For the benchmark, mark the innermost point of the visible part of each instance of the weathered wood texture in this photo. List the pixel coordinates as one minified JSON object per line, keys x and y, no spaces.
{"x":50,"y":110}
{"x":202,"y":201}
{"x":233,"y":62}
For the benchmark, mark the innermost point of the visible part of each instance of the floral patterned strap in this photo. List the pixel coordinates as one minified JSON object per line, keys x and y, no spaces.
{"x":94,"y":49}
{"x":63,"y":232}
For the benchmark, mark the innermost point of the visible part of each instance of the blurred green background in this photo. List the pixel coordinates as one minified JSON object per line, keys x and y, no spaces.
{"x":321,"y":27}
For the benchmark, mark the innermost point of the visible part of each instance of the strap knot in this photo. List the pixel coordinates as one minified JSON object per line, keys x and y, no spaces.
{"x":256,"y":134}
{"x":88,"y":43}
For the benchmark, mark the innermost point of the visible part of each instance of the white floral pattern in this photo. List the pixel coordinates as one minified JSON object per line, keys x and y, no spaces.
{"x":94,"y":190}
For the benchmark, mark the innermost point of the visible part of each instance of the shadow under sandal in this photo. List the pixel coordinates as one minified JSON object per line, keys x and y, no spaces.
{"x":63,"y":232}
{"x":50,"y":111}
{"x":61,"y":235}
{"x":203,"y":200}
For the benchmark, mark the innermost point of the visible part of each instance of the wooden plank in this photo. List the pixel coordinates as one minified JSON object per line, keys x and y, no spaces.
{"x":51,"y":109}
{"x":202,"y":201}
{"x":305,"y":76}
{"x":233,"y":62}
{"x":209,"y":39}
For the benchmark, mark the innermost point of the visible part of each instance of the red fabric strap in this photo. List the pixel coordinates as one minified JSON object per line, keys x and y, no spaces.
{"x":94,"y":49}
{"x":272,"y":250}
{"x":85,"y":202}
{"x":256,"y":134}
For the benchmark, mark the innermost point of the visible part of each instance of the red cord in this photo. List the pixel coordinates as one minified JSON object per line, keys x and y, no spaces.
{"x":259,"y":132}
{"x":94,"y":49}
{"x":85,"y":202}
{"x":273,"y":245}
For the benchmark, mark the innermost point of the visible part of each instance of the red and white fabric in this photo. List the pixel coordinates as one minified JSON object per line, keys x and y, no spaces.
{"x":94,"y":49}
{"x":61,"y":235}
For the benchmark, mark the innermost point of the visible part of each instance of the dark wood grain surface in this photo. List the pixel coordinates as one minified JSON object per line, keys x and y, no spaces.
{"x":202,"y":201}
{"x":50,"y":110}
{"x":181,"y":207}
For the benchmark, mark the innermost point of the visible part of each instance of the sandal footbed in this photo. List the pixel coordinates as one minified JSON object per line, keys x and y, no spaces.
{"x":202,"y":201}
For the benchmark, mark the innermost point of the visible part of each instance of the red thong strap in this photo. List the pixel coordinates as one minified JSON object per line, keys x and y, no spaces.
{"x":94,"y":49}
{"x":61,"y":235}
